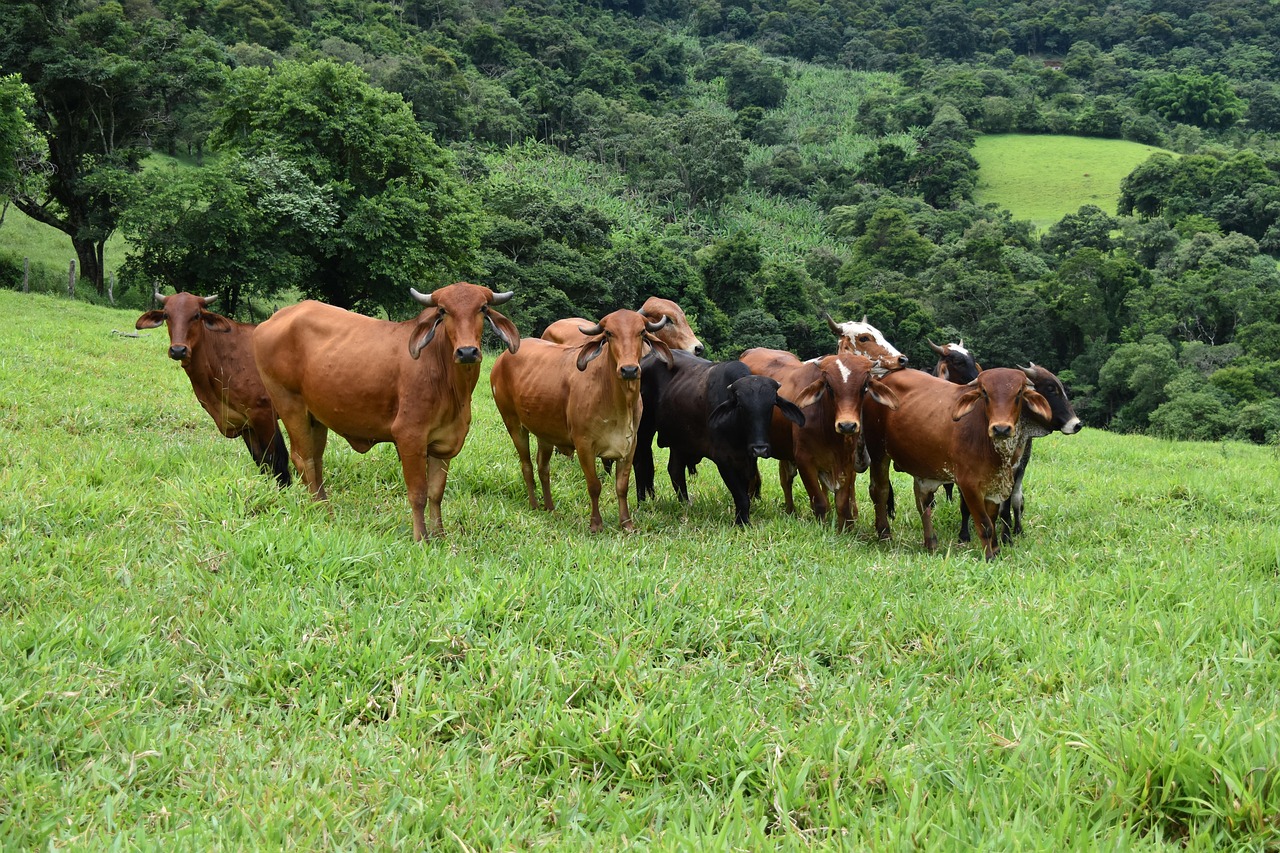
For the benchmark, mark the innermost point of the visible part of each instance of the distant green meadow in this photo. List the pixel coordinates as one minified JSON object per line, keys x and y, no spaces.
{"x":191,"y":658}
{"x":1043,"y":178}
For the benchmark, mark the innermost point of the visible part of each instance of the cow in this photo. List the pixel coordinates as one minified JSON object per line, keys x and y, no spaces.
{"x":583,"y":399}
{"x":971,"y":435}
{"x":862,"y":338}
{"x":701,"y":409}
{"x":217,"y":355}
{"x":955,"y":363}
{"x":372,"y":380}
{"x":676,"y":333}
{"x":826,"y":450}
{"x":1064,"y":420}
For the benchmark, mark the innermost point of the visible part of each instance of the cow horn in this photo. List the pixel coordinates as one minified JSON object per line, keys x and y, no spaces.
{"x":942,"y":351}
{"x":831,"y":324}
{"x":424,"y":298}
{"x":591,"y":331}
{"x":1030,"y":370}
{"x":502,"y":298}
{"x":158,"y":296}
{"x":864,"y":319}
{"x":208,"y":300}
{"x":654,"y":327}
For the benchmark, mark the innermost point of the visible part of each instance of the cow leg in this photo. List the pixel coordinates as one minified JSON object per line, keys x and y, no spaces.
{"x":846,"y":505}
{"x":881,"y":492}
{"x":925,"y":503}
{"x":642,"y":466}
{"x":738,"y":484}
{"x":964,"y":519}
{"x":1012,"y":511}
{"x":676,"y":469}
{"x":786,"y":477}
{"x":818,"y":500}
{"x":984,"y":518}
{"x":309,"y":440}
{"x":621,"y":481}
{"x":587,"y":461}
{"x":544,"y":476}
{"x":437,"y":474}
{"x":271,"y":454}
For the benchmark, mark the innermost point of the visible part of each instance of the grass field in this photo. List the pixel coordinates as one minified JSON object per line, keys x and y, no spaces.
{"x":1043,"y":178}
{"x":191,"y":658}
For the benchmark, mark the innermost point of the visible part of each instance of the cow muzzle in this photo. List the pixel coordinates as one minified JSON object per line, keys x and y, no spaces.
{"x":760,"y":451}
{"x":466,"y":355}
{"x":1072,"y":427}
{"x":630,"y":372}
{"x":179,"y":352}
{"x":1001,"y":430}
{"x":698,"y":350}
{"x":848,"y":427}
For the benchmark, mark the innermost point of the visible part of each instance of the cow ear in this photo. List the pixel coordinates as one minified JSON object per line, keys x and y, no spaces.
{"x":1039,"y":406}
{"x":790,"y":411}
{"x":882,"y":393}
{"x":967,"y":403}
{"x":812,"y":394}
{"x":663,"y":351}
{"x":504,"y":329}
{"x":215,"y":322}
{"x":424,"y":332}
{"x":723,"y":415}
{"x":150,"y":320}
{"x":590,"y":351}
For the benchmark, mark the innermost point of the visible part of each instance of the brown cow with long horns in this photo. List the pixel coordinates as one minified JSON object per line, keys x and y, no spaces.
{"x":373,"y":380}
{"x":217,"y":355}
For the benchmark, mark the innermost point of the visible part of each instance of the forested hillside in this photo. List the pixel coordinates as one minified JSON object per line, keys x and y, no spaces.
{"x":761,"y":163}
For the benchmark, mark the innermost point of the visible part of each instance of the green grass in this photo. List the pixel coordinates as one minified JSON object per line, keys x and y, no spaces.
{"x":1043,"y":178}
{"x":192,"y":658}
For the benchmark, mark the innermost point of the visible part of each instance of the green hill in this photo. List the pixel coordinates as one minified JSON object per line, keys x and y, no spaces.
{"x":1043,"y":178}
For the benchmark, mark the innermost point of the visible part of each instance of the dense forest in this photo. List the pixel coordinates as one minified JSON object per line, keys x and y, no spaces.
{"x":345,"y":150}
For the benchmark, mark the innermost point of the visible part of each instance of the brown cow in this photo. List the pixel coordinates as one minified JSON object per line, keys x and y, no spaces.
{"x":970,"y":435}
{"x":676,"y":333}
{"x":826,"y":449}
{"x":373,"y":380}
{"x":862,"y":338}
{"x":583,"y":399}
{"x":217,"y":354}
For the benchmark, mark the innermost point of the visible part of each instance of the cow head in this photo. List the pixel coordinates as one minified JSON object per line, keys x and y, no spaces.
{"x":624,"y":334}
{"x":1050,"y":387}
{"x":847,"y":380}
{"x":187,"y":319}
{"x":677,"y":334}
{"x":461,"y":309}
{"x":1003,"y":393}
{"x":955,"y":363}
{"x":749,"y":410}
{"x":864,"y":339}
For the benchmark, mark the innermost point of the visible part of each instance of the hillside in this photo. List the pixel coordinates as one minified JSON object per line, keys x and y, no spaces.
{"x":190,"y":657}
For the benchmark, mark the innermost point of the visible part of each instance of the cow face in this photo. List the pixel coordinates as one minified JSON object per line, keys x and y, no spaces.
{"x":461,"y":310}
{"x":955,"y":363}
{"x":1050,"y":387}
{"x":1003,"y":393}
{"x":847,"y":380}
{"x":677,"y":334}
{"x":749,"y":412}
{"x":865,"y":340}
{"x":186,"y":317}
{"x":624,"y":334}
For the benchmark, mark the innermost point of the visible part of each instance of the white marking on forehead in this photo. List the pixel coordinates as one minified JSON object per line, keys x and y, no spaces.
{"x":852,"y":329}
{"x":844,"y":371}
{"x":959,"y":348}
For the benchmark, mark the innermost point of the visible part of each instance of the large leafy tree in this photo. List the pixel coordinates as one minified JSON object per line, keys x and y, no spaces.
{"x":19,"y":143}
{"x":106,"y":81}
{"x":402,"y":213}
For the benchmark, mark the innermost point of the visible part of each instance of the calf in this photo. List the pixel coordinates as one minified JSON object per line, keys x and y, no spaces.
{"x":675,"y":333}
{"x":583,"y":399}
{"x":707,"y":410}
{"x":970,"y":435}
{"x":217,"y":355}
{"x":826,"y":449}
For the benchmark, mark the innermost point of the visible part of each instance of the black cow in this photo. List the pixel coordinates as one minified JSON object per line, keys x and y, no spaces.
{"x":701,"y":409}
{"x":1064,"y":421}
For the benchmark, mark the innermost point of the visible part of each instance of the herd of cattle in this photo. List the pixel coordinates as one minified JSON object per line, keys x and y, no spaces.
{"x":605,"y":390}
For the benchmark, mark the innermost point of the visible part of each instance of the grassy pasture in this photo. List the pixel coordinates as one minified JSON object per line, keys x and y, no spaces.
{"x":189,"y":657}
{"x":1043,"y":178}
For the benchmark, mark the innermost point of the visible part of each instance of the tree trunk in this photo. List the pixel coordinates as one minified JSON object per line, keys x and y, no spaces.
{"x":89,"y":253}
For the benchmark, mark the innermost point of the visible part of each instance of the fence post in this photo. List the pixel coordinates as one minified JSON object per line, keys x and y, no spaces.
{"x":26,"y":275}
{"x":111,"y":288}
{"x":71,"y":281}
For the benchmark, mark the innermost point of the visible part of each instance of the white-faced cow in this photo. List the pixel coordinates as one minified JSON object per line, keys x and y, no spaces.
{"x":970,"y":435}
{"x":373,"y":380}
{"x":675,"y":332}
{"x":862,"y":338}
{"x":826,"y":449}
{"x":701,"y":409}
{"x":217,"y":355}
{"x":581,"y":399}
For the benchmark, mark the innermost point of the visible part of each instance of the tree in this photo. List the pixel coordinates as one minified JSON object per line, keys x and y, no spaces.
{"x":1191,"y":98}
{"x":729,"y":267}
{"x":750,"y":78}
{"x":403,"y":215}
{"x":20,"y":145}
{"x":106,"y":80}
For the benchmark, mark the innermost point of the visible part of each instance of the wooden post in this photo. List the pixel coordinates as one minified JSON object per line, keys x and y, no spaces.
{"x":71,"y":281}
{"x":26,"y":275}
{"x":111,"y":288}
